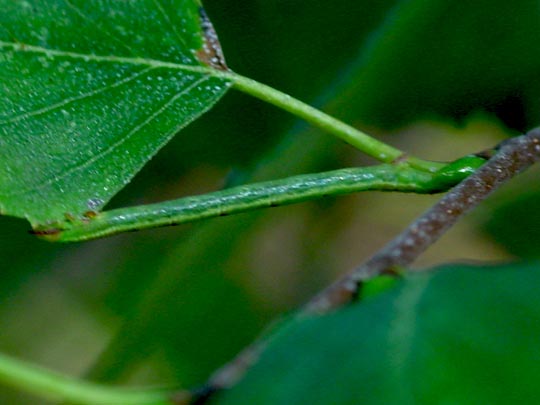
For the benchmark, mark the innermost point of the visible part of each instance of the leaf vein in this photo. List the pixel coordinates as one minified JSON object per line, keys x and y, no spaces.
{"x":70,"y":100}
{"x":112,"y":147}
{"x":24,"y":48}
{"x":171,"y":25}
{"x":99,"y":26}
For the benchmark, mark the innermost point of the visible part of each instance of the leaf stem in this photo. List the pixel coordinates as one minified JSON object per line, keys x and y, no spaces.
{"x":360,"y":140}
{"x":58,"y":387}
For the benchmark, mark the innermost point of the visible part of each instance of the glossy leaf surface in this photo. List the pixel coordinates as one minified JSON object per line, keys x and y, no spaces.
{"x":460,"y":335}
{"x":91,"y":91}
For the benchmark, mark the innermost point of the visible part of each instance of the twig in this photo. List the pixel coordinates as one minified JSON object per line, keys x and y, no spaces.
{"x":512,"y":157}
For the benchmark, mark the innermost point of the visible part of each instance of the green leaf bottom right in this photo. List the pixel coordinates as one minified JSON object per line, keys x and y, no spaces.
{"x":458,"y":334}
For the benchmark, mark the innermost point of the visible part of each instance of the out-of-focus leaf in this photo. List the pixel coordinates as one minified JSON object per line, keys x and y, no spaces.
{"x":449,"y":58}
{"x":182,"y":312}
{"x":91,"y":90}
{"x":18,"y":267}
{"x":460,"y":334}
{"x":515,"y":224}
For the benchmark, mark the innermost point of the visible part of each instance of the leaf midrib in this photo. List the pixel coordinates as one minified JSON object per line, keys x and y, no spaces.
{"x":24,"y":48}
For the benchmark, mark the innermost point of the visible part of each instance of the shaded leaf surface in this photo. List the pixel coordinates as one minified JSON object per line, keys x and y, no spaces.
{"x":461,"y":334}
{"x":91,"y":91}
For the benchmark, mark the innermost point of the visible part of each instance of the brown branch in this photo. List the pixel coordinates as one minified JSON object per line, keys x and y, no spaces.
{"x":513,"y":156}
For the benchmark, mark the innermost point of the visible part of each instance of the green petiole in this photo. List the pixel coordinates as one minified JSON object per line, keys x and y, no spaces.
{"x":398,"y":177}
{"x":360,"y":140}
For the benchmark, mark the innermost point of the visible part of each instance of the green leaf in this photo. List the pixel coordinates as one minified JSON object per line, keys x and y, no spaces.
{"x":91,"y":90}
{"x":459,"y":335}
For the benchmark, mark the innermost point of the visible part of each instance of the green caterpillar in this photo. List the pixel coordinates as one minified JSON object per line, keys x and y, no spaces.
{"x":385,"y":177}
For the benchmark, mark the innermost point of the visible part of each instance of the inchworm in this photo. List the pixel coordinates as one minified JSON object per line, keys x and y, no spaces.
{"x":386,"y":177}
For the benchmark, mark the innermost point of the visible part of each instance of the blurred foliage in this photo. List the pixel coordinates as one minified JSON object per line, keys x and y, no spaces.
{"x":436,"y":338}
{"x":513,"y":219}
{"x":517,"y":226}
{"x":169,"y":306}
{"x":446,"y":58}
